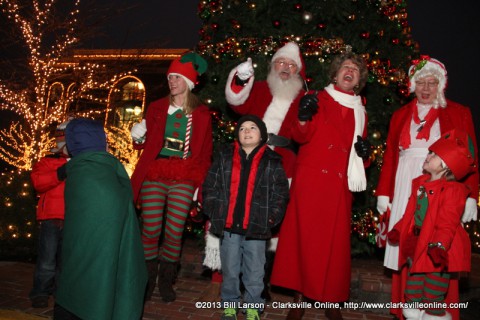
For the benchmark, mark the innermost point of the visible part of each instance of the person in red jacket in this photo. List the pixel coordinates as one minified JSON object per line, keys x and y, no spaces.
{"x":177,"y":143}
{"x":48,"y":177}
{"x":413,"y":128}
{"x":432,"y":241}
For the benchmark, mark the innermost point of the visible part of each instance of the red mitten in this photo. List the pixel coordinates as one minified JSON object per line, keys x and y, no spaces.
{"x":393,"y":236}
{"x":438,"y":256}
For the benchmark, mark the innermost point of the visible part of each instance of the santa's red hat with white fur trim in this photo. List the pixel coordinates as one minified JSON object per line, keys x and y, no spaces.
{"x":291,"y":51}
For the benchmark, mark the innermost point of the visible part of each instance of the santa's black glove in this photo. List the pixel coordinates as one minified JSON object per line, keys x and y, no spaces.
{"x":308,"y":107}
{"x":363,"y":148}
{"x":62,"y":172}
{"x":240,"y":82}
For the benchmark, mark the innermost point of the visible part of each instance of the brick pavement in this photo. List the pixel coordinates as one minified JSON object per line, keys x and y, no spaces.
{"x":369,"y":284}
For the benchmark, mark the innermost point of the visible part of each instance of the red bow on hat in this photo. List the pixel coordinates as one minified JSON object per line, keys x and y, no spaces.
{"x":419,"y":64}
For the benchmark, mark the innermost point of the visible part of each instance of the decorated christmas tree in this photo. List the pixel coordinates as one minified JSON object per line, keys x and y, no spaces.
{"x":378,"y":30}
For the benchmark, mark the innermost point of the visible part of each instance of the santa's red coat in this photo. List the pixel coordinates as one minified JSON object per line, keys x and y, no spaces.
{"x":313,"y":254}
{"x":259,"y":99}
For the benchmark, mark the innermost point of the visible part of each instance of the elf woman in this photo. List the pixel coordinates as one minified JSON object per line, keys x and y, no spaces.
{"x":176,"y":138}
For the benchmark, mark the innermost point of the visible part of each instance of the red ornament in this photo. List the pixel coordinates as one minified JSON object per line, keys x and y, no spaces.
{"x":395,"y":41}
{"x":321,"y":26}
{"x":195,"y":213}
{"x":365,"y":35}
{"x":277,"y":24}
{"x":297,"y":7}
{"x":404,"y":91}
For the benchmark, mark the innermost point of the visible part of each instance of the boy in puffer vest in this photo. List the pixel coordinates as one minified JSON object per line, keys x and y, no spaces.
{"x":245,"y":195}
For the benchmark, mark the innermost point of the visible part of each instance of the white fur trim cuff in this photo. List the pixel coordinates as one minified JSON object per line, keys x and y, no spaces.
{"x":212,"y":252}
{"x":236,"y":99}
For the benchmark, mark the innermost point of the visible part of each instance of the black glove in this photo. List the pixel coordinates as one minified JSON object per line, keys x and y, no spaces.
{"x":363,"y":148}
{"x":240,"y":82}
{"x":308,"y":107}
{"x":277,"y":141}
{"x":62,"y":172}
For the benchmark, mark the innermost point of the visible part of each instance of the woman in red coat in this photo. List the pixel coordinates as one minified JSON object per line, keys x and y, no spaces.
{"x":177,"y":143}
{"x":430,"y":236}
{"x":413,"y":128}
{"x":313,"y":254}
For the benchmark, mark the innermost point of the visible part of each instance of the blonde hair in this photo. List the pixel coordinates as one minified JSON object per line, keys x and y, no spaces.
{"x":190,"y":103}
{"x":447,"y":173}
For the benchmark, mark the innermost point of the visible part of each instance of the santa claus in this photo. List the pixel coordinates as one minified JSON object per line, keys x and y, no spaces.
{"x":276,"y":99}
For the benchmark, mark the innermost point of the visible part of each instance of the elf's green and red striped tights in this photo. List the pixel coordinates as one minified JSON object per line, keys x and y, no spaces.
{"x":167,"y":201}
{"x":428,"y":288}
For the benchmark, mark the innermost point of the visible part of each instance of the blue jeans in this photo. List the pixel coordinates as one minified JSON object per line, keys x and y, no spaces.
{"x":49,"y":257}
{"x":246,"y":257}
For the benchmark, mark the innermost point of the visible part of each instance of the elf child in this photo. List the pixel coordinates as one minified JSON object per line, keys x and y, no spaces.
{"x":431,"y":239}
{"x":245,"y":195}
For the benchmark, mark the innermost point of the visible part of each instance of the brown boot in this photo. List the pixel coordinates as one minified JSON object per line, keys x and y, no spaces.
{"x":166,"y":279}
{"x":333,"y":314}
{"x":296,"y":313}
{"x":152,"y":269}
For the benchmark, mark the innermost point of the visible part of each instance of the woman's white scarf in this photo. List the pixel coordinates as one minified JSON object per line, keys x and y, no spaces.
{"x":357,"y":180}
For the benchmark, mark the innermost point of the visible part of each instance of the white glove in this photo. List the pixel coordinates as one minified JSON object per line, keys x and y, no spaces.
{"x":245,"y":70}
{"x":383,"y":203}
{"x":139,"y":131}
{"x":470,"y":213}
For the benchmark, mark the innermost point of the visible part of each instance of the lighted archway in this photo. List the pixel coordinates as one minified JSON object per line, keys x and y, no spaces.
{"x":126,"y":102}
{"x":55,"y":99}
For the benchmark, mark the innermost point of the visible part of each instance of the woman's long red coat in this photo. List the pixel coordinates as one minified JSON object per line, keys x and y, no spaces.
{"x":313,"y":254}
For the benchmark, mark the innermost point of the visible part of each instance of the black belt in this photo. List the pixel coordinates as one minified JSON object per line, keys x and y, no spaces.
{"x":173,"y":144}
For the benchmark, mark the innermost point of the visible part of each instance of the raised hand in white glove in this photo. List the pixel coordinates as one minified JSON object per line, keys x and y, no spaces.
{"x":245,"y":70}
{"x":470,"y":212}
{"x":383,"y":203}
{"x":139,"y":131}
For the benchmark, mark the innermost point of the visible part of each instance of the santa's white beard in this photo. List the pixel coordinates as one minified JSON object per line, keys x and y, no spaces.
{"x":284,"y":89}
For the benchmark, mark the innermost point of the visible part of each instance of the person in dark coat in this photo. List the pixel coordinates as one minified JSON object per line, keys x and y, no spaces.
{"x":245,"y":195}
{"x":103,"y":274}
